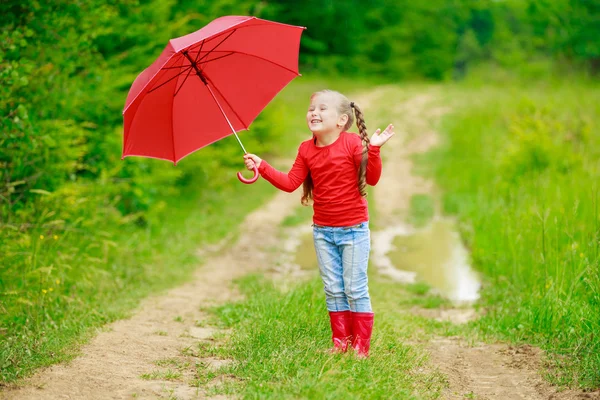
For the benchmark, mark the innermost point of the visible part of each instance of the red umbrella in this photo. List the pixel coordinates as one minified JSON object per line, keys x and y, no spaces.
{"x":207,"y":85}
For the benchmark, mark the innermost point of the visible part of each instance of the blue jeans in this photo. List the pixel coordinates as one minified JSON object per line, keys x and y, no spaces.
{"x":343,"y":257}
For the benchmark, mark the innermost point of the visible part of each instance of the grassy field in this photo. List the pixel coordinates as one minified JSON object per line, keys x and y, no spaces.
{"x":280,"y":341}
{"x":519,"y":166}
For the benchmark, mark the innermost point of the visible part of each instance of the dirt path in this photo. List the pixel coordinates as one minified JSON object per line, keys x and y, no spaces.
{"x":154,"y":353}
{"x":498,"y":371}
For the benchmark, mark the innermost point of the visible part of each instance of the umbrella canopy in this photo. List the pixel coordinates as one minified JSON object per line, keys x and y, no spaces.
{"x":207,"y":85}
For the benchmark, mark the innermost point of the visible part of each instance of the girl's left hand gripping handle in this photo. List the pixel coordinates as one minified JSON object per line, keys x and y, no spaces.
{"x":251,"y":180}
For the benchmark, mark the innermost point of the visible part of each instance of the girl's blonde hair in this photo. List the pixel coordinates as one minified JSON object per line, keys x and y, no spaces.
{"x":345,"y":106}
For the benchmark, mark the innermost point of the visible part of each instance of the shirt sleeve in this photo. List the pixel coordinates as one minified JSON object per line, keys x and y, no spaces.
{"x":373,"y":164}
{"x":282,"y":181}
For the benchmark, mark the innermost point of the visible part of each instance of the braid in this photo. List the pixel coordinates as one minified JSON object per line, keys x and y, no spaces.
{"x":362,"y":129}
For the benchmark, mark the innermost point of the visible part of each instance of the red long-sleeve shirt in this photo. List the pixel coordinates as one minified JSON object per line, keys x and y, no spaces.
{"x":334,"y":171}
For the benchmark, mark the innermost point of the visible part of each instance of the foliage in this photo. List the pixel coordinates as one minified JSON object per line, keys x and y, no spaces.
{"x":440,"y":39}
{"x":59,"y":117}
{"x":79,"y":226}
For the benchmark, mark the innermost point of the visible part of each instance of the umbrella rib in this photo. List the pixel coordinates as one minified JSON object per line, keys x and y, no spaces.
{"x":182,"y":83}
{"x":212,"y":59}
{"x":207,"y":40}
{"x":173,"y":67}
{"x":218,"y":58}
{"x":255,"y":56}
{"x":267,"y":60}
{"x":199,"y":50}
{"x":270,"y":23}
{"x":170,"y":79}
{"x":218,"y":44}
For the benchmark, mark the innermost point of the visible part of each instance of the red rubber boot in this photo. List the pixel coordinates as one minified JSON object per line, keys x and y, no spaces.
{"x":341,"y":329}
{"x":362,"y":327}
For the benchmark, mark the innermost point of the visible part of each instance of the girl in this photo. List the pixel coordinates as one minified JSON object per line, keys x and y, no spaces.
{"x":334,"y":167}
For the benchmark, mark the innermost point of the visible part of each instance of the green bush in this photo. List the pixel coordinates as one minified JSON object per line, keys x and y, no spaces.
{"x":80,"y":225}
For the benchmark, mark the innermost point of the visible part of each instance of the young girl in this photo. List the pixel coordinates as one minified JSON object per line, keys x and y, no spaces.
{"x":334,"y":167}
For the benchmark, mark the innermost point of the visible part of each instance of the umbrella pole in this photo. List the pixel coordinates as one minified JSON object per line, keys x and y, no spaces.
{"x":205,"y":81}
{"x":226,"y":119}
{"x":239,"y":175}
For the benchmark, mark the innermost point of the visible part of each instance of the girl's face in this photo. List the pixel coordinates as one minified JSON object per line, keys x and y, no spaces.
{"x":322,"y":115}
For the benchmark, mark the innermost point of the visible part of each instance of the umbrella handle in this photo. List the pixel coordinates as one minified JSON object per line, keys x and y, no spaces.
{"x":251,"y":180}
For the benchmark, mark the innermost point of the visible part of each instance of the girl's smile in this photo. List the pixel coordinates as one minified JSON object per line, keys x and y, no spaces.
{"x":322,"y":115}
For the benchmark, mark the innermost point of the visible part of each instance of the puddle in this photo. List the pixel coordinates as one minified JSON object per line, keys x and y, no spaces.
{"x":296,"y":257}
{"x":305,"y":256}
{"x":381,"y":245}
{"x":434,"y":255}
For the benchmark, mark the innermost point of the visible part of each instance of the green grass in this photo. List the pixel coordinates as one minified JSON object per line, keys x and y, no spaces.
{"x":300,"y":215}
{"x":280,"y":342}
{"x":167,"y":375}
{"x":519,"y":167}
{"x":172,"y":362}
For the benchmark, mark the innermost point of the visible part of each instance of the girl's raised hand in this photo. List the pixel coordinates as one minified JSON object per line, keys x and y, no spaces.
{"x":379,"y":138}
{"x":251,"y":160}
